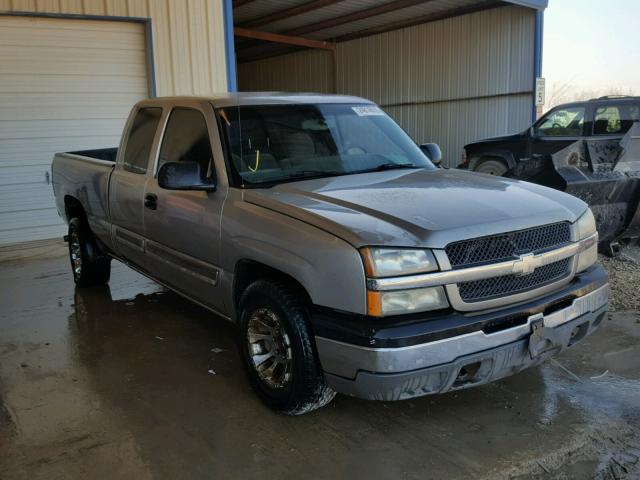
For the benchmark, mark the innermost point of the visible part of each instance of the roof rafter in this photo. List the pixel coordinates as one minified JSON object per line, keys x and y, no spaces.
{"x":289,"y":12}
{"x":286,"y":39}
{"x":240,"y":3}
{"x":352,"y":17}
{"x":431,"y":17}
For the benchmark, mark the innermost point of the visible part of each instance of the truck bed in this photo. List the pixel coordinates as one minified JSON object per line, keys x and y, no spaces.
{"x":107,"y":154}
{"x":84,"y":175}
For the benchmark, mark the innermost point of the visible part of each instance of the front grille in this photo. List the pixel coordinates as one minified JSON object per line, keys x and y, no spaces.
{"x":506,"y":246}
{"x":488,"y":288}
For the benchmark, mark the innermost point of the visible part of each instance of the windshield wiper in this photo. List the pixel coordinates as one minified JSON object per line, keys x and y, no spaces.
{"x":309,"y":173}
{"x":387,"y":166}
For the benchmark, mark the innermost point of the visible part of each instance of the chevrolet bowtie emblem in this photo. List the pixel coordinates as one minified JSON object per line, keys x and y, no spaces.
{"x":526,"y":264}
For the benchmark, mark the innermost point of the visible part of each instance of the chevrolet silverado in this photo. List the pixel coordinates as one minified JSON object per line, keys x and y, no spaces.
{"x":348,"y":261}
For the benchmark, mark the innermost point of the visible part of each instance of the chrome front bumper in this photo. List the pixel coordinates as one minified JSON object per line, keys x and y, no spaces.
{"x":461,"y":361}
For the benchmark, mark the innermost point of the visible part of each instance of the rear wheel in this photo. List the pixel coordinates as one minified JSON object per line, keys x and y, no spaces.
{"x":279,"y":351}
{"x":89,"y":265}
{"x":492,"y":167}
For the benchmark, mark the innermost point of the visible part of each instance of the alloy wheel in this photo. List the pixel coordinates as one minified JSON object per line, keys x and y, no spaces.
{"x":269,"y":348}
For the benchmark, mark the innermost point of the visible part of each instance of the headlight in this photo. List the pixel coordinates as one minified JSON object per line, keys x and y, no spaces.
{"x":392,"y":262}
{"x":396,"y":262}
{"x":381,"y":304}
{"x":586,"y":227}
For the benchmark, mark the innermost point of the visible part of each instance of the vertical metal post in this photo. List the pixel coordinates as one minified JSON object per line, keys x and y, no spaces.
{"x":230,"y":47}
{"x":537,"y":58}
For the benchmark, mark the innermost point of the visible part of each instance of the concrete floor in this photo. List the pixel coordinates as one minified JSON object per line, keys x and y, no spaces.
{"x":132,"y":381}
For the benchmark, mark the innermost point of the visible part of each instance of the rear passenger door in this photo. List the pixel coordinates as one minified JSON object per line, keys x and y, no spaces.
{"x":615,"y":119}
{"x":126,"y":188}
{"x":182,"y":229}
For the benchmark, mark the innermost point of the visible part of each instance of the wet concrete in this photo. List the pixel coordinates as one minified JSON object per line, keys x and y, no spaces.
{"x":132,"y":381}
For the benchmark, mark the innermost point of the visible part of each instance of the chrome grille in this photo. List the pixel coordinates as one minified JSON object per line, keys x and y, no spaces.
{"x":488,"y":288}
{"x":506,"y":246}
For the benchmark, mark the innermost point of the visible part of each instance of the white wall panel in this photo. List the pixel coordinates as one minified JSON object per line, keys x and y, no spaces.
{"x":64,"y":85}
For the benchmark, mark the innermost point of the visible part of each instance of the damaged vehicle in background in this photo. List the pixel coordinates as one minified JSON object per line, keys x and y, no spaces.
{"x":589,"y":149}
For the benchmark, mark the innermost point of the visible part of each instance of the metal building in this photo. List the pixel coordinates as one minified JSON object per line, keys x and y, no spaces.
{"x":449,"y":71}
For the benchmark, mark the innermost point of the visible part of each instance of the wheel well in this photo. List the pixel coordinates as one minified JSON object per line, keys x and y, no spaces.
{"x":248,"y":271}
{"x":73,"y":208}
{"x":483,"y":158}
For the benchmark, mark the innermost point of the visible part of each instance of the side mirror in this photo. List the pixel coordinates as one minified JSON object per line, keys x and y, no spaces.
{"x":183,"y":176}
{"x":433,"y":152}
{"x":532,"y":131}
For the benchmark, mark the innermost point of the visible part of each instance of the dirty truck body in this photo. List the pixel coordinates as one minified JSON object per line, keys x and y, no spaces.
{"x":349,"y":262}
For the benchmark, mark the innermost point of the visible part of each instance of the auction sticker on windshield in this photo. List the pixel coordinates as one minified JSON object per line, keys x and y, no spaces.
{"x":367,"y":110}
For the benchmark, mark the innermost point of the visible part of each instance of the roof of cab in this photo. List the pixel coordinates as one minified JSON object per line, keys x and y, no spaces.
{"x":264,"y":98}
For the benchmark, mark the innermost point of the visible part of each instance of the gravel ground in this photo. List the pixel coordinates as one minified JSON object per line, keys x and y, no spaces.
{"x":624,"y":277}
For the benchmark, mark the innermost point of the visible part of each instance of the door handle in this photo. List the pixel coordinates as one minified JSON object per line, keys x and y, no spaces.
{"x":151,"y":201}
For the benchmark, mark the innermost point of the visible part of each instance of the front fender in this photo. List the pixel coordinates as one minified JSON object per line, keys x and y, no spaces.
{"x":329,"y":269}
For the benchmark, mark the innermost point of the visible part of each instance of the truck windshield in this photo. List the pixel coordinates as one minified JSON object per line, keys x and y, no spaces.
{"x":277,"y":143}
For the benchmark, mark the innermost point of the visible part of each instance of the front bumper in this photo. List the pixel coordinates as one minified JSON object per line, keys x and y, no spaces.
{"x":461,"y":350}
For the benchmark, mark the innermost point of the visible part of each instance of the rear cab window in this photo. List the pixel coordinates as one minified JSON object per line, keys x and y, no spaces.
{"x":140,"y":140}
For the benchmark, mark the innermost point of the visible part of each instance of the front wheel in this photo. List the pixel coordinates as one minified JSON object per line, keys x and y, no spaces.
{"x":492,"y":167}
{"x":89,"y":265}
{"x":279,"y":351}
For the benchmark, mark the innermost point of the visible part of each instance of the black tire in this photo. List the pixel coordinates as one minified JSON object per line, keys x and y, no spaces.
{"x":94,"y":267}
{"x":305,"y":389}
{"x":492,"y":167}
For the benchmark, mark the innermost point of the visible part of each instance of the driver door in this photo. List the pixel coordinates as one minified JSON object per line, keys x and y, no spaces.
{"x":558,"y":129}
{"x":182,"y":228}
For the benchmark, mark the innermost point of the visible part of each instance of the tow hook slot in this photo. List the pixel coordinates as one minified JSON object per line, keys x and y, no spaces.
{"x":467,"y":374}
{"x":578,"y":333}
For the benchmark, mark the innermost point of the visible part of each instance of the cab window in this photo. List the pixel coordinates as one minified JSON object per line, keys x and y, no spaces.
{"x":141,"y":133}
{"x":615,"y":119}
{"x":186,"y":139}
{"x":564,"y":122}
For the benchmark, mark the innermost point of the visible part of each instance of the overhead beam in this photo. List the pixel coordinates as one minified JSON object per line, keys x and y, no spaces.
{"x":355,"y":16}
{"x":286,"y":39}
{"x":275,"y":52}
{"x":239,"y":3}
{"x":431,"y":17}
{"x":289,"y":12}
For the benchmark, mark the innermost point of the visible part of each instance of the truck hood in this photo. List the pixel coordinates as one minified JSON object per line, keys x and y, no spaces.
{"x":417,"y":208}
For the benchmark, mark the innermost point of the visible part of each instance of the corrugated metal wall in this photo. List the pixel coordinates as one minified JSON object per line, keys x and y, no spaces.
{"x":449,"y":82}
{"x":306,"y":71}
{"x":188,"y":37}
